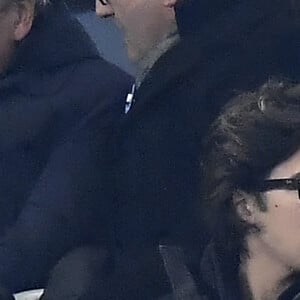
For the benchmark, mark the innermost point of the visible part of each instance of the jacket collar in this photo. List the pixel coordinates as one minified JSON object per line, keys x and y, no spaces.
{"x":175,"y":63}
{"x":293,"y":292}
{"x":215,"y":269}
{"x":146,"y":63}
{"x":55,"y":40}
{"x":171,"y":68}
{"x":188,"y":63}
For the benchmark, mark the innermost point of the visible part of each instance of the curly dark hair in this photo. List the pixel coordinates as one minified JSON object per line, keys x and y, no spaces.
{"x":255,"y":132}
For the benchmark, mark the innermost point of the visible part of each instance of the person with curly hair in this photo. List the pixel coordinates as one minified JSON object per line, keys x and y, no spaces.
{"x":251,"y":192}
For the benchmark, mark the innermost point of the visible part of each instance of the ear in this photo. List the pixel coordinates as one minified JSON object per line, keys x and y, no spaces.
{"x":246,"y":206}
{"x":170,"y":3}
{"x":24,"y":20}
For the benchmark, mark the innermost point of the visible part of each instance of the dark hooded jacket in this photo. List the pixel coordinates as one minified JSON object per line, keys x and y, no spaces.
{"x":56,"y":78}
{"x":55,"y":81}
{"x":160,"y":137}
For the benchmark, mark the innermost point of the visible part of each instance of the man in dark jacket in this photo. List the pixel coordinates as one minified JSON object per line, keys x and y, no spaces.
{"x":182,"y":83}
{"x":51,"y":78}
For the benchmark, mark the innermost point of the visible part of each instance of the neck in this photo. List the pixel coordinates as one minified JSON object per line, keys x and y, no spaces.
{"x":147,"y":62}
{"x":264,"y":274}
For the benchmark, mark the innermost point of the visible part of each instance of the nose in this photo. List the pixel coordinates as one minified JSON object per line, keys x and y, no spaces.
{"x":104,"y":11}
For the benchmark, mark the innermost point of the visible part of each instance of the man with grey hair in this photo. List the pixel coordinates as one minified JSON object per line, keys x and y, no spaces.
{"x":51,"y":78}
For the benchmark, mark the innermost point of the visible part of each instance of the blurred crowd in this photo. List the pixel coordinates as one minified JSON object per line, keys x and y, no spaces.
{"x":182,"y":183}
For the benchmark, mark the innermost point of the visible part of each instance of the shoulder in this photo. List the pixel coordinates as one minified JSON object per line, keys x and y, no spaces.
{"x":98,"y":74}
{"x":98,"y":68}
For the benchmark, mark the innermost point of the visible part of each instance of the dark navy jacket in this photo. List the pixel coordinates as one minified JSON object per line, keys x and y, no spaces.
{"x":55,"y":81}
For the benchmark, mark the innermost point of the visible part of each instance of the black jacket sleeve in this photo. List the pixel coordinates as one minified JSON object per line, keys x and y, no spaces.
{"x":68,"y":207}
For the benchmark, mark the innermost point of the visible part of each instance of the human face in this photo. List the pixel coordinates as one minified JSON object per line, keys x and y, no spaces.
{"x":280,"y":223}
{"x":144,"y":22}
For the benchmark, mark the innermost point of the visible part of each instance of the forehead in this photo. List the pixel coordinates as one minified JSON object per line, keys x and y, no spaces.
{"x":287,"y":168}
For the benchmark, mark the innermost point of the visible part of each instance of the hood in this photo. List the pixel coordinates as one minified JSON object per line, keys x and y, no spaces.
{"x":56,"y":39}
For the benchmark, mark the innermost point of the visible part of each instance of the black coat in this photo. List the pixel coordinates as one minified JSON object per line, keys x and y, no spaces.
{"x":55,"y":81}
{"x":160,"y":149}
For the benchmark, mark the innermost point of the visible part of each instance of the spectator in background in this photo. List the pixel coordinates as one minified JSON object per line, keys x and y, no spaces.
{"x":51,"y":78}
{"x":251,"y":191}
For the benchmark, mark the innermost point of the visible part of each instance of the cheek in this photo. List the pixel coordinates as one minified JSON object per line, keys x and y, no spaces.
{"x":283,"y":209}
{"x":282,"y":230}
{"x":285,"y":218}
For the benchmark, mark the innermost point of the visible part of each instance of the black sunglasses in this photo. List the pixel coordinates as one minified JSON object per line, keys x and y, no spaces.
{"x":281,"y":184}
